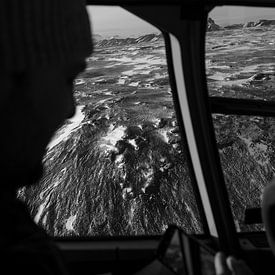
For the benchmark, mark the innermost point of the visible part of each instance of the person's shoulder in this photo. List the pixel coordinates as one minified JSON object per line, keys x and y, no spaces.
{"x":27,"y":247}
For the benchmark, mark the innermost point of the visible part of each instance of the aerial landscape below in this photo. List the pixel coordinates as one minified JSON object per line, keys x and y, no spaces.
{"x":240,"y":63}
{"x":119,"y":166}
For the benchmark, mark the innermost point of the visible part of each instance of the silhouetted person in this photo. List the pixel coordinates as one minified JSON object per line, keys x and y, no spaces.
{"x":43,"y":46}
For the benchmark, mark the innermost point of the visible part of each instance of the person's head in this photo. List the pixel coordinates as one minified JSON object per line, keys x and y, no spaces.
{"x":43,"y":47}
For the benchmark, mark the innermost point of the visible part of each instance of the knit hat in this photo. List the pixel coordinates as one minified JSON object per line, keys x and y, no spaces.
{"x":40,"y":32}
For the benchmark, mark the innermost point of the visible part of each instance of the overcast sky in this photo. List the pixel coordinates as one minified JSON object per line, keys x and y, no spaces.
{"x":109,"y":21}
{"x":231,"y":15}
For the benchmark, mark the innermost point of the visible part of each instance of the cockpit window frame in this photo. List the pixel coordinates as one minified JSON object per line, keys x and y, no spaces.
{"x":137,"y":11}
{"x":193,"y":20}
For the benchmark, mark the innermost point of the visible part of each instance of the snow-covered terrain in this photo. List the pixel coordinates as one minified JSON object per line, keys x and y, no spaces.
{"x":240,"y":63}
{"x":119,"y":166}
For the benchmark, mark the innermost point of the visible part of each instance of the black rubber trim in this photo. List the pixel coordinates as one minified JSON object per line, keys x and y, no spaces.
{"x":234,"y":106}
{"x":262,"y":3}
{"x":183,"y":134}
{"x":253,"y":215}
{"x":193,"y":58}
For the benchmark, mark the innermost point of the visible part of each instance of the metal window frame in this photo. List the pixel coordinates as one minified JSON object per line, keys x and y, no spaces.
{"x":189,"y":19}
{"x":234,"y":106}
{"x":182,"y":22}
{"x":173,"y":85}
{"x":262,"y":3}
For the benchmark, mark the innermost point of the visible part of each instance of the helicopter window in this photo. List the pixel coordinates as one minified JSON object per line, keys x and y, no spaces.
{"x":240,"y":65}
{"x":240,"y":55}
{"x":119,"y":167}
{"x":246,"y":149}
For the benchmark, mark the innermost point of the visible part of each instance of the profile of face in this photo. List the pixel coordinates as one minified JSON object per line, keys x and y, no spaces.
{"x":33,"y":106}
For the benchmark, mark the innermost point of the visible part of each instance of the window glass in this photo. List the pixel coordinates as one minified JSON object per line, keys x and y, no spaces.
{"x":240,"y":53}
{"x":246,"y":146}
{"x":119,"y":166}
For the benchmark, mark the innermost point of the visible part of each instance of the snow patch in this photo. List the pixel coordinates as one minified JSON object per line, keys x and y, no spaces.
{"x":79,"y":81}
{"x":63,"y":133}
{"x":125,"y":191}
{"x":148,"y":174}
{"x":164,"y":135}
{"x":41,"y":209}
{"x":112,"y":137}
{"x":70,"y":222}
{"x":119,"y":161}
{"x":121,"y":81}
{"x":134,"y":84}
{"x":133,"y":142}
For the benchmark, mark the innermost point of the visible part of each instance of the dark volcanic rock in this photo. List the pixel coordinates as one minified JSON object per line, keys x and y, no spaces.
{"x":133,"y":132}
{"x":128,"y":41}
{"x":94,"y":186}
{"x":264,"y":22}
{"x":258,"y":78}
{"x":249,"y":24}
{"x":233,"y":27}
{"x":212,"y":26}
{"x":246,"y":159}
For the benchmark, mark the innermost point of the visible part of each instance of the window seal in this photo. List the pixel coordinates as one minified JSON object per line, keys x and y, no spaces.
{"x":233,"y":106}
{"x":193,"y":51}
{"x":176,"y":103}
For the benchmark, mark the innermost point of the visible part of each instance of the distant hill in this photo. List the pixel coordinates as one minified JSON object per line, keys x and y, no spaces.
{"x":97,"y":37}
{"x":212,"y":26}
{"x":114,"y":41}
{"x":264,"y":22}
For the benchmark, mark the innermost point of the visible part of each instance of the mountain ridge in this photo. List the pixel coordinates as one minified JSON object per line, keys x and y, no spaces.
{"x":116,"y":41}
{"x":213,"y":26}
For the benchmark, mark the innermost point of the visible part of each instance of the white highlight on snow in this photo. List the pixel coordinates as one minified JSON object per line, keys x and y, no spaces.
{"x":41,"y":210}
{"x":133,"y":142}
{"x":119,"y":159}
{"x":100,"y":102}
{"x":112,"y":137}
{"x":138,"y":69}
{"x":141,"y":64}
{"x":190,"y":212}
{"x":109,"y":93}
{"x":64,"y":132}
{"x":121,"y":81}
{"x":125,"y":191}
{"x":156,"y":121}
{"x":164,"y":135}
{"x":120,"y":163}
{"x":223,"y":78}
{"x":70,"y":222}
{"x":79,"y":81}
{"x":225,"y":67}
{"x":134,"y":84}
{"x":219,"y":76}
{"x":180,"y":82}
{"x":148,"y":175}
